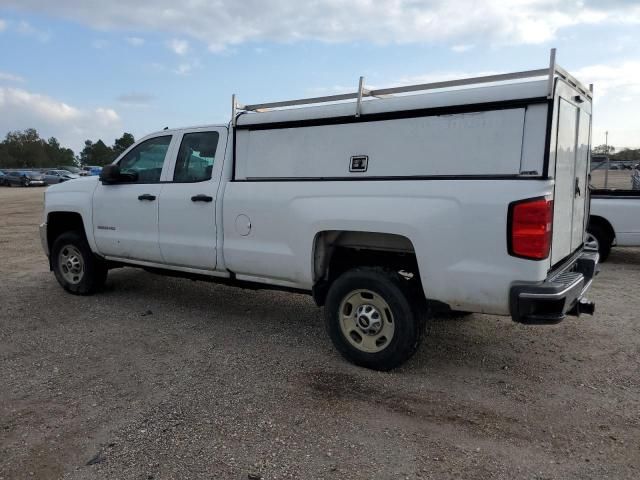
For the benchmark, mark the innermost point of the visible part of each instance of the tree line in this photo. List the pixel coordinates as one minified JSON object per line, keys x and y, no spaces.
{"x":624,"y":154}
{"x":26,"y":149}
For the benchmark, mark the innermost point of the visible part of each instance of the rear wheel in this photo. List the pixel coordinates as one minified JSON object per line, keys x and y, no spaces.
{"x":373,"y":317}
{"x":599,"y":239}
{"x":75,"y":266}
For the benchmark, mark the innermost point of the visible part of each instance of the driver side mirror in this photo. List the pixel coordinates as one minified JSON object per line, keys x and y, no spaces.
{"x":111,"y":174}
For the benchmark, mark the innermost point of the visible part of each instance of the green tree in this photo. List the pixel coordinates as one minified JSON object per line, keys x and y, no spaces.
{"x":24,"y":150}
{"x":102,"y":155}
{"x":99,"y":153}
{"x":58,"y":155}
{"x":87,"y":153}
{"x":603,"y":150}
{"x":122,"y":143}
{"x":627,"y":154}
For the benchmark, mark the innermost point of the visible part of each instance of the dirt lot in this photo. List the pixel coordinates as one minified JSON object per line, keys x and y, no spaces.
{"x":160,"y":378}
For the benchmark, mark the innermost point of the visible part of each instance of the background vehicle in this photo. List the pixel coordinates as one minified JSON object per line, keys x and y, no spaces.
{"x":72,"y":169}
{"x":614,"y":220}
{"x":58,"y":176}
{"x":382,"y":209}
{"x":92,"y":170}
{"x":25,"y":179}
{"x":2,"y":178}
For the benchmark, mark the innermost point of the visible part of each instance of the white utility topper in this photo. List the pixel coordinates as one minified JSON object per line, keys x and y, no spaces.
{"x":469,"y":195}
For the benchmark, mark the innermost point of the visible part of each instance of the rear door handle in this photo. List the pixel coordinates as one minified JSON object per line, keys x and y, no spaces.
{"x":147,"y":196}
{"x":201,"y":198}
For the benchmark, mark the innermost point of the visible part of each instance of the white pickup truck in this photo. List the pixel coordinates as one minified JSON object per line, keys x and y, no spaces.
{"x":467,"y":195}
{"x":614,"y":220}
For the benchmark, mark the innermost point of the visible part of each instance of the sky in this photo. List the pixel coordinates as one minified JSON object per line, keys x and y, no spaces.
{"x":84,"y":69}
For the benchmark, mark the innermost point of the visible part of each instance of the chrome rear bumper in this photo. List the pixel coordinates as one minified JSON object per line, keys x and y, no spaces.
{"x":561,"y":294}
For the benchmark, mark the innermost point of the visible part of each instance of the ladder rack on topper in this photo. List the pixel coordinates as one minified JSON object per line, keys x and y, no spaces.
{"x":551,"y":72}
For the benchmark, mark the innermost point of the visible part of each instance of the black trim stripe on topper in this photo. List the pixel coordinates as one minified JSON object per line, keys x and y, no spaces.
{"x":396,"y":115}
{"x":425,"y":112}
{"x":547,"y":139}
{"x":391,"y":178}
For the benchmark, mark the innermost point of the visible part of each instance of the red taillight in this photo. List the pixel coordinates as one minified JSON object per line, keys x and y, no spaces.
{"x":530,"y":230}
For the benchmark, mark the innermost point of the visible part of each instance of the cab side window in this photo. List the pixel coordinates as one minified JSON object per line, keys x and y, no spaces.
{"x":145,"y":161}
{"x":196,"y":157}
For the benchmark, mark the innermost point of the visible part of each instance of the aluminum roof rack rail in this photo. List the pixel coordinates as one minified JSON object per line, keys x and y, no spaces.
{"x":551,"y":72}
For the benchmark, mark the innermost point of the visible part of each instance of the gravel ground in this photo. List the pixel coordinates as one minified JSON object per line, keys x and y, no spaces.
{"x":160,"y":378}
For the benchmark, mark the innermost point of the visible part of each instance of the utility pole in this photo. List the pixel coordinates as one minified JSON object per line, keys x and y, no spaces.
{"x":606,"y":149}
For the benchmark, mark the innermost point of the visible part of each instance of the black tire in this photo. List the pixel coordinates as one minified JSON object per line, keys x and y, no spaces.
{"x":604,"y":240}
{"x":406,"y":308}
{"x":94,"y":273}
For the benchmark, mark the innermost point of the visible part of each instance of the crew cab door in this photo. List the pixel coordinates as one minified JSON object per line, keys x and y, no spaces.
{"x":187,"y":208}
{"x":125,"y":215}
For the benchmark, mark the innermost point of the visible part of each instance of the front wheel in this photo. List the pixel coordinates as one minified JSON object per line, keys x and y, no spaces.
{"x":75,"y":266}
{"x":371,"y":319}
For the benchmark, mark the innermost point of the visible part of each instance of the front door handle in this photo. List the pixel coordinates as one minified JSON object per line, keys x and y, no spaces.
{"x":147,"y":196}
{"x":201,"y":198}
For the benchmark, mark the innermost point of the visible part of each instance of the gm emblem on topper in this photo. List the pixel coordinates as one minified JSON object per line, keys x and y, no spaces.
{"x":359,"y":163}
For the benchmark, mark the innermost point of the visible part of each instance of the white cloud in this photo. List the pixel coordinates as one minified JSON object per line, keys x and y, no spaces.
{"x":462,"y":48}
{"x":10,"y":77}
{"x":3,"y":24}
{"x":28,"y":30}
{"x":226,"y":23}
{"x":135,"y":99}
{"x":180,"y":47}
{"x":100,"y":44}
{"x":183,"y":69}
{"x":616,"y":96}
{"x":20,"y":109}
{"x":135,"y":41}
{"x":612,"y":79}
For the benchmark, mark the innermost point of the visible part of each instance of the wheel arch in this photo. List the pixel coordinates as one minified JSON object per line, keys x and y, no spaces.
{"x":59,"y":222}
{"x":336,"y":251}
{"x":604,"y":223}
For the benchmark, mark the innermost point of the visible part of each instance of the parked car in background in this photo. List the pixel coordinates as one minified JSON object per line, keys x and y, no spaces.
{"x":92,"y":170}
{"x":614,"y":220}
{"x":58,"y":176}
{"x":72,"y":169}
{"x":25,"y":179}
{"x":2,"y":178}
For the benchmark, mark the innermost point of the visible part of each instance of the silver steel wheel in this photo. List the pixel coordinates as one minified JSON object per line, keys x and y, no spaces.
{"x":591,"y":243}
{"x":366,"y":321}
{"x":71,"y":264}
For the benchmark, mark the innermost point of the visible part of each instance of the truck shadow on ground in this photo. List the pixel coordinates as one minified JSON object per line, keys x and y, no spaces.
{"x":630,"y":257}
{"x":474,"y":341}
